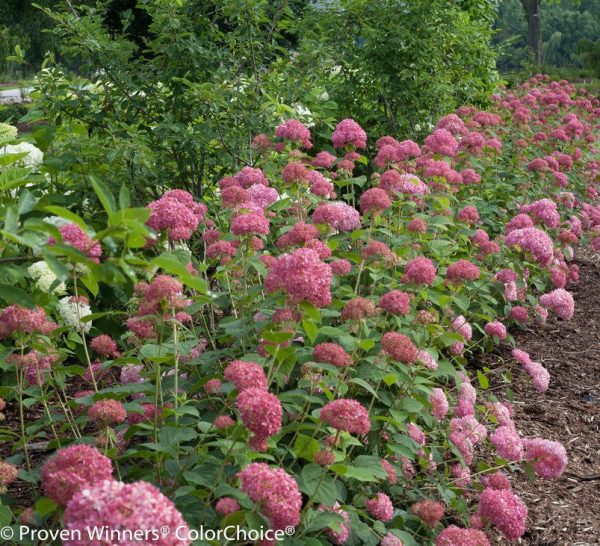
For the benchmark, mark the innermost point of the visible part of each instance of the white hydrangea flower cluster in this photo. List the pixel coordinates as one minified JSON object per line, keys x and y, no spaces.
{"x":7,"y":131}
{"x":71,"y":312}
{"x":45,"y":277}
{"x":33,"y":159}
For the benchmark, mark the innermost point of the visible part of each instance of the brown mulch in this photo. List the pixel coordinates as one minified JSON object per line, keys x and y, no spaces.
{"x":565,"y":511}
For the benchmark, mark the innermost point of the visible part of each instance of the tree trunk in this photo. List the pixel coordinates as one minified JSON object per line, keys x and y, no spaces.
{"x":533,"y":12}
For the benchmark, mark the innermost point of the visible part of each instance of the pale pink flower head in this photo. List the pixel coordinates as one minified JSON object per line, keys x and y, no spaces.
{"x":508,"y":443}
{"x":380,"y":507}
{"x":348,"y":132}
{"x":466,"y":400}
{"x":341,"y":267}
{"x":346,"y":415}
{"x":224,"y":421}
{"x":246,"y":375}
{"x":439,"y":403}
{"x":532,"y":240}
{"x":302,"y":276}
{"x":337,"y":215}
{"x":8,"y":474}
{"x":111,"y":504}
{"x":463,"y":327}
{"x":496,"y":328}
{"x":72,"y":468}
{"x":260,"y":411}
{"x":560,"y":301}
{"x":275,"y":492}
{"x":549,"y":458}
{"x":505,"y":510}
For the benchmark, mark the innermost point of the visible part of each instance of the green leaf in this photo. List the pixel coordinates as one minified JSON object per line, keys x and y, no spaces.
{"x":124,"y":197}
{"x":68,"y":215}
{"x":175,"y":435}
{"x":12,"y":294}
{"x":305,"y":447}
{"x":45,"y":506}
{"x":104,"y":194}
{"x":311,"y":329}
{"x":6,"y":515}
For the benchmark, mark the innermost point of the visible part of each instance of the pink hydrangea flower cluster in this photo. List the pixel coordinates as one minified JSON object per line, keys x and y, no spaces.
{"x":534,"y":241}
{"x":560,"y":301}
{"x":549,"y":458}
{"x":419,"y":270}
{"x":337,"y":215}
{"x":246,"y":375}
{"x":16,"y":319}
{"x":275,"y":492}
{"x":107,"y":412}
{"x":429,"y":511}
{"x":72,"y":468}
{"x":105,"y":346}
{"x":539,"y":375}
{"x":399,"y":347}
{"x":348,"y":132}
{"x":260,"y":411}
{"x":505,"y":510}
{"x":338,"y":537}
{"x":302,"y":276}
{"x":332,"y":353}
{"x":380,"y":507}
{"x":178,"y":213}
{"x":346,"y":415}
{"x":294,"y":131}
{"x":457,"y":536}
{"x":111,"y":504}
{"x":395,"y":302}
{"x":74,"y":236}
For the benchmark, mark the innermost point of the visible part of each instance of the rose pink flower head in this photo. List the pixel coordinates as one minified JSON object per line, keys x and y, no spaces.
{"x":275,"y":492}
{"x":462,"y":270}
{"x":358,"y":309}
{"x":15,"y":318}
{"x":224,"y":421}
{"x":456,"y":536}
{"x":74,"y":236}
{"x":399,"y":347}
{"x":249,"y":176}
{"x":508,"y":443}
{"x":560,"y":301}
{"x":177,"y":213}
{"x":429,"y":511}
{"x":107,"y":412}
{"x":338,"y":537}
{"x":250,"y":223}
{"x":262,"y":196}
{"x":374,"y":201}
{"x":246,"y":375}
{"x":549,"y":458}
{"x":415,"y":434}
{"x":294,"y":131}
{"x":226,"y":506}
{"x":395,"y":302}
{"x":496,"y":328}
{"x":114,"y":505}
{"x":496,"y":480}
{"x":303,"y":276}
{"x":391,"y":540}
{"x":8,"y":474}
{"x":466,"y":400}
{"x":442,"y":142}
{"x":323,"y":160}
{"x":72,"y":468}
{"x":380,"y":507}
{"x":332,"y":353}
{"x":346,"y":415}
{"x":419,"y":270}
{"x":349,"y":132}
{"x":105,"y":346}
{"x":260,"y":411}
{"x":463,"y":327}
{"x":341,"y":267}
{"x":504,"y":510}
{"x":468,"y":214}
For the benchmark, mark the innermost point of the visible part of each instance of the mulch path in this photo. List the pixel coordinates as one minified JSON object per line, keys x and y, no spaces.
{"x":563,"y":512}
